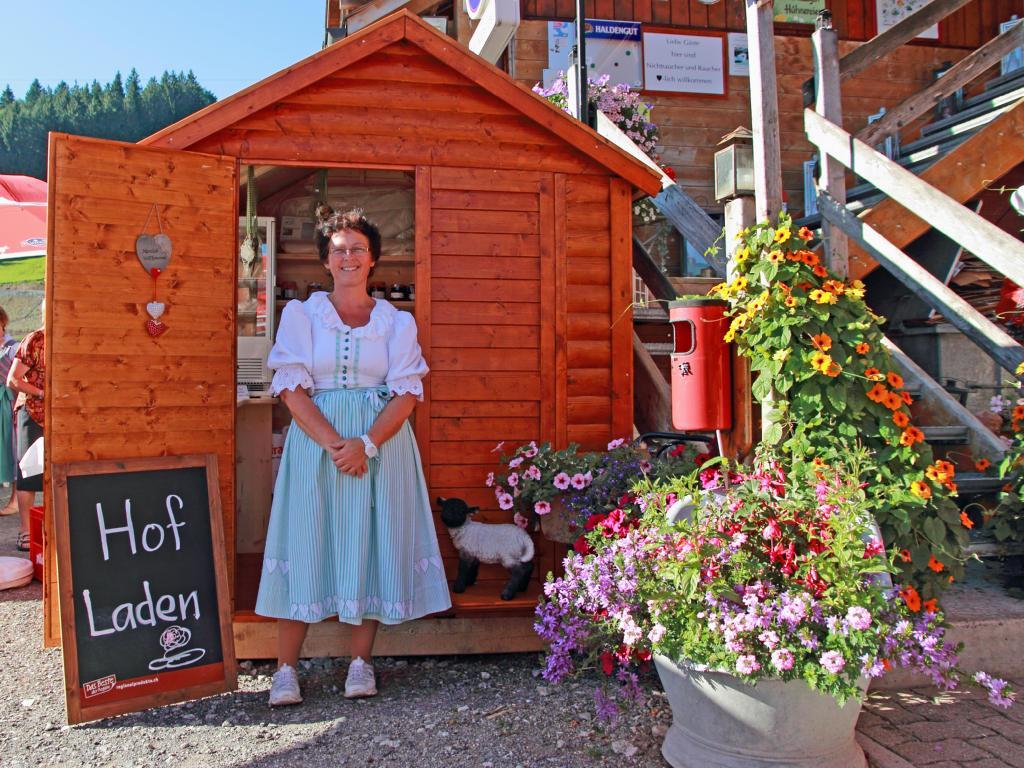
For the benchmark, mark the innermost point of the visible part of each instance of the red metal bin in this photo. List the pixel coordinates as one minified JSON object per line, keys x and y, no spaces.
{"x":701,"y":365}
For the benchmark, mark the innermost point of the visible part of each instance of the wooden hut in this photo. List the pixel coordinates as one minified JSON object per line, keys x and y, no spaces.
{"x":521,"y":264}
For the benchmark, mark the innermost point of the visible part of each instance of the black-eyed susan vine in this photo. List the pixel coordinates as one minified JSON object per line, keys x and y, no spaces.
{"x":826,"y":383}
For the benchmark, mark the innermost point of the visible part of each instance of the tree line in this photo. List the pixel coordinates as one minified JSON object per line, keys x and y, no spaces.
{"x":123,"y":110}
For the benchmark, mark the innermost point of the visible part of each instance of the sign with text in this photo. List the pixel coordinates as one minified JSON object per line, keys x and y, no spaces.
{"x":798,"y":11}
{"x":684,"y":63}
{"x":145,"y":610}
{"x":613,"y":49}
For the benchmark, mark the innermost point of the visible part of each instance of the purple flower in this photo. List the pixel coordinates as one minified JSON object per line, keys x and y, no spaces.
{"x":833,"y":661}
{"x":747,"y":664}
{"x":858,"y":618}
{"x":782,"y":659}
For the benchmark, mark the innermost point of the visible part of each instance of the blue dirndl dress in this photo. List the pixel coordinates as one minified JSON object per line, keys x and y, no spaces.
{"x":357,"y":548}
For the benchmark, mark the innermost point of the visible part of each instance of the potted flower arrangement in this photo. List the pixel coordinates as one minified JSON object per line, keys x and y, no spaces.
{"x":564,"y":489}
{"x":765,"y":605}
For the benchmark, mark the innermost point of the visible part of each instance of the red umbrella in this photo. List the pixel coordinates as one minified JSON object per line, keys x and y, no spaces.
{"x":22,"y":217}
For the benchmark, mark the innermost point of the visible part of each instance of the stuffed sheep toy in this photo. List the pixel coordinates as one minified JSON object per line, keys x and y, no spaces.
{"x":477,"y":542}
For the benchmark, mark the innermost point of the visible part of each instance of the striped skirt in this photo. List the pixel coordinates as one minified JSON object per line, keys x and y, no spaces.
{"x":357,"y":548}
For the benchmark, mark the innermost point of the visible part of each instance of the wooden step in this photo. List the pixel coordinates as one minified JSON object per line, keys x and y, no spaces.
{"x":977,"y":484}
{"x":1000,"y":103}
{"x":1012,"y":77}
{"x":649,"y":315}
{"x":945,"y":435}
{"x":657,"y":348}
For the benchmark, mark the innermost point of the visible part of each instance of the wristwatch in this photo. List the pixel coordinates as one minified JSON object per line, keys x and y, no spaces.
{"x":368,"y":446}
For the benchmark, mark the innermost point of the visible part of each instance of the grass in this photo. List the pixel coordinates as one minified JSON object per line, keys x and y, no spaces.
{"x":22,"y":270}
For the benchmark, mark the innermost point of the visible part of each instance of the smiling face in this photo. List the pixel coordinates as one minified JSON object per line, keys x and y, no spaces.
{"x":349,"y":259}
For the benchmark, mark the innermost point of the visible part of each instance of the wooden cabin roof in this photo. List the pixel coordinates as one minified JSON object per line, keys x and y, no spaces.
{"x":397,"y":27}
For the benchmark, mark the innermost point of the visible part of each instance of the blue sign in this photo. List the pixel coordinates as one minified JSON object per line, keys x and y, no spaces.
{"x":612,"y":30}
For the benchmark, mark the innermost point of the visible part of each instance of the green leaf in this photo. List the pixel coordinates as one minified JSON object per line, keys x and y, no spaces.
{"x":935,"y":530}
{"x":772,"y":434}
{"x":837,"y":396}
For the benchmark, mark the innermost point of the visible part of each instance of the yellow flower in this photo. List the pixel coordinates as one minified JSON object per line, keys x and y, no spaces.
{"x":742,"y":255}
{"x":855,"y":290}
{"x":730,"y":335}
{"x":739,"y":284}
{"x":823,"y":297}
{"x":776,"y":256}
{"x":834,"y":286}
{"x":821,"y":362}
{"x":782,"y":235}
{"x":1020,"y":370}
{"x":920,"y":489}
{"x":790,"y":301}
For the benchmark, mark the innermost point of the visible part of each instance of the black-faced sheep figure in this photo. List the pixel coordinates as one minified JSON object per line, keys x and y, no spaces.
{"x":477,"y":542}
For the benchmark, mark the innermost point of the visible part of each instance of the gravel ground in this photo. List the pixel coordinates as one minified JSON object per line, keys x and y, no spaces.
{"x":482,"y":711}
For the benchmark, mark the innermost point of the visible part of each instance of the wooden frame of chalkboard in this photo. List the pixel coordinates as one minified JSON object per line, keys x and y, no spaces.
{"x":136,"y":577}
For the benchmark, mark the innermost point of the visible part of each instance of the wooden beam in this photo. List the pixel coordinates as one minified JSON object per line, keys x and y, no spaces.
{"x":963,"y":72}
{"x":903,"y":32}
{"x":995,"y":342}
{"x":376,"y":10}
{"x":986,"y":241}
{"x":652,"y":395}
{"x":828,"y":104}
{"x":764,"y":109}
{"x":962,"y":174}
{"x":655,"y":280}
{"x":739,"y":214}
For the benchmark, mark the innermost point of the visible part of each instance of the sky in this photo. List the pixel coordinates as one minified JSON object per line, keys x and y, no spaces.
{"x":229,"y":44}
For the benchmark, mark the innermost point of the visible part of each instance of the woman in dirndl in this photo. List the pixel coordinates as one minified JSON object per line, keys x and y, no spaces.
{"x":351,"y":531}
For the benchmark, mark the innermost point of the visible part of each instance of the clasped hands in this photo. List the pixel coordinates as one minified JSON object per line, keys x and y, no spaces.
{"x":349,"y":456}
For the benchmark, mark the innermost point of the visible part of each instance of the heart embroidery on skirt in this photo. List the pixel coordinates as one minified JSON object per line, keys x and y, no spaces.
{"x":156,"y":328}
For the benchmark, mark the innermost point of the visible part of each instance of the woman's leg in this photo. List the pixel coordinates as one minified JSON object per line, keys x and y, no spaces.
{"x":361,"y":640}
{"x":290,"y":634}
{"x":25,"y":501}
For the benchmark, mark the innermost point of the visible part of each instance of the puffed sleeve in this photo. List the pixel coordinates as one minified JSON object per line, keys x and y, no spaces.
{"x":291,"y":358}
{"x":406,"y":366}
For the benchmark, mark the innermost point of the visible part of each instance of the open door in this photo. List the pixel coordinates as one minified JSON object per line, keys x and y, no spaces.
{"x":118,"y":383}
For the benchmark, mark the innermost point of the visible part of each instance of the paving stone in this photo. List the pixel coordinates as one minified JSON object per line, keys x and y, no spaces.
{"x":920,"y":753}
{"x":897,"y":715}
{"x":1004,"y":726}
{"x":952,"y":729}
{"x":887,"y":735}
{"x":1004,"y":749}
{"x":870,"y":720}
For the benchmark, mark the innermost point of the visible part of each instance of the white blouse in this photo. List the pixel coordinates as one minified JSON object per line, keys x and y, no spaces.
{"x":316,"y":350}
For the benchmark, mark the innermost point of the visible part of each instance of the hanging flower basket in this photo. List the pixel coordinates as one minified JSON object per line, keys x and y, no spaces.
{"x":558,"y":524}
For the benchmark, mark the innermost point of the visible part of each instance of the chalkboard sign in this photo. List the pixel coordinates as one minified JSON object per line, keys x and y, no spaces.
{"x":145,"y":617}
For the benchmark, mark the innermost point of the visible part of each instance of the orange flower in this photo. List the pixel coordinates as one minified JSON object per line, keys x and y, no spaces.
{"x":834,"y":286}
{"x":946,"y":468}
{"x":820,"y":271}
{"x":905,"y":555}
{"x":894,"y":379}
{"x":951,"y":487}
{"x":934,"y":474}
{"x":966,"y":521}
{"x":822,"y":341}
{"x":910,"y":436}
{"x":982,"y":464}
{"x":892,"y":401}
{"x":932,"y":606}
{"x":935,"y":565}
{"x":804,"y":234}
{"x":874,"y":374}
{"x":887,"y":665}
{"x":900,"y":419}
{"x":794,"y":255}
{"x":921,"y":489}
{"x":818,"y":462}
{"x":877,"y":393}
{"x":1018,"y":412}
{"x":810,"y":258}
{"x":833,"y":370}
{"x":863,"y":348}
{"x":905,"y":396}
{"x":911,"y":598}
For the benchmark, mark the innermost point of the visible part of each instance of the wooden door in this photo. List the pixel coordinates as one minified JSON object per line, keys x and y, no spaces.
{"x":113,"y":389}
{"x":485,"y":279}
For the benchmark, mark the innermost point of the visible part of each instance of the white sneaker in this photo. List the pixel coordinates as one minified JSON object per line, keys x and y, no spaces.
{"x":360,"y":681}
{"x":284,"y":687}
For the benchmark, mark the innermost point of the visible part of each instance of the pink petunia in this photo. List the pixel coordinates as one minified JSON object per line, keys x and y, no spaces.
{"x":532,"y":450}
{"x":561,"y":481}
{"x":519,"y":520}
{"x":532,"y":472}
{"x":490,"y":479}
{"x":645,"y":466}
{"x":579,"y":482}
{"x":505,"y":501}
{"x":616,"y":443}
{"x":498,"y":491}
{"x":515,"y":462}
{"x":873,"y":547}
{"x":542,"y":508}
{"x":513,"y":480}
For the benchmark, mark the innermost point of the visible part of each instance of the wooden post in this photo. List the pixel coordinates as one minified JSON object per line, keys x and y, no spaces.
{"x":828,"y":104}
{"x":739,"y":214}
{"x":764,"y":109}
{"x":463,"y":30}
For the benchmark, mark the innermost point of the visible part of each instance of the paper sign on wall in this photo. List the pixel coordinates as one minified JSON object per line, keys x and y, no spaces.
{"x":680,"y":63}
{"x":798,"y":11}
{"x":739,"y":55}
{"x":613,"y":49}
{"x":888,"y":13}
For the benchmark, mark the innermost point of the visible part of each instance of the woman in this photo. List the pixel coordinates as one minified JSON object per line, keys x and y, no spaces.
{"x":8,"y":346}
{"x":351,"y":532}
{"x":26,"y":377}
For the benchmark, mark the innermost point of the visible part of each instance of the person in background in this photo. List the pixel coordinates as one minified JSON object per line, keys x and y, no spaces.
{"x":8,"y":346}
{"x":26,"y":377}
{"x":351,"y":531}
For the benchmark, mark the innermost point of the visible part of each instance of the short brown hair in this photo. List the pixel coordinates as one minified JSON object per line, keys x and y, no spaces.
{"x":4,"y":319}
{"x":354,"y":220}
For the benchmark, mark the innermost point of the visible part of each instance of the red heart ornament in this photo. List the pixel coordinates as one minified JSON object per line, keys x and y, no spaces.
{"x":155,"y":273}
{"x":156,"y":328}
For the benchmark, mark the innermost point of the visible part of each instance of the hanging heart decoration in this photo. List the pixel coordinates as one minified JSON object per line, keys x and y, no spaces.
{"x":156,"y":328}
{"x":155,"y":309}
{"x":154,"y":252}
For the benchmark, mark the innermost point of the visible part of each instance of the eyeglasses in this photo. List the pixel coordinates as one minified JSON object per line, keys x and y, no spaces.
{"x":359,"y":250}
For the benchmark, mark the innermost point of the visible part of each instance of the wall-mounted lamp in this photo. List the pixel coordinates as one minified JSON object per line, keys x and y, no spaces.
{"x":734,"y":165}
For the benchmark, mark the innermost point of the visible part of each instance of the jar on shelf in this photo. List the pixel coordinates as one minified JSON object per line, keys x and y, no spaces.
{"x":398,"y":292}
{"x":379,"y":290}
{"x":412,"y":291}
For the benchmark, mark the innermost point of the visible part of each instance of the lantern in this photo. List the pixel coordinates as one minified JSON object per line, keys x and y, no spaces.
{"x":734,"y":165}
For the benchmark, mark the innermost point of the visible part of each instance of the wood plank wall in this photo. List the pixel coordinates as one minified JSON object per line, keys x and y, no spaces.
{"x":969,"y":27}
{"x":113,"y":391}
{"x":692,"y":126}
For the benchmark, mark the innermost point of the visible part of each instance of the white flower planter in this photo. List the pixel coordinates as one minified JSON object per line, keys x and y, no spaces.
{"x":719,"y":721}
